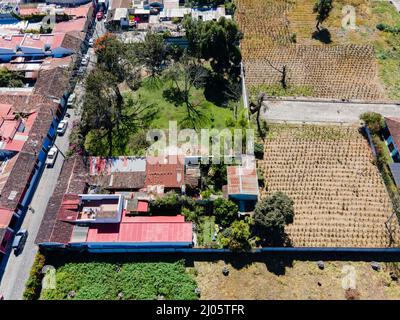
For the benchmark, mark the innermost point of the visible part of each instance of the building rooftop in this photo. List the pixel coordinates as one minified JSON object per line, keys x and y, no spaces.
{"x":395,"y":170}
{"x":79,"y":24}
{"x":162,"y":171}
{"x":393,"y":125}
{"x":242,"y":179}
{"x":72,"y":180}
{"x":143,"y":229}
{"x":122,"y":173}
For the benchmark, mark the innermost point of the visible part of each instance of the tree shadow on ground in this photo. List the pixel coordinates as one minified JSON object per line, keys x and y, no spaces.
{"x":174,"y":96}
{"x":323,"y":36}
{"x":215,"y":90}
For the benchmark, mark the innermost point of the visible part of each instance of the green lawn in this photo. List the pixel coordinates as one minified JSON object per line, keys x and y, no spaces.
{"x":206,"y":231}
{"x":110,"y":280}
{"x":387,"y":48}
{"x":153,"y":94}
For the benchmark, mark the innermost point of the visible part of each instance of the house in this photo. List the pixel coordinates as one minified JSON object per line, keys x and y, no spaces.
{"x":392,"y":137}
{"x":37,"y":46}
{"x":242,"y":185}
{"x":28,"y":124}
{"x":103,"y":223}
{"x":165,"y":173}
{"x":118,"y":173}
{"x":68,"y":2}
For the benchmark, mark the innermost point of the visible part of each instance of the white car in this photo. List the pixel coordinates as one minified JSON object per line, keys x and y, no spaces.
{"x":84,"y":61}
{"x":62,"y":127}
{"x":91,"y":42}
{"x":51,"y":156}
{"x":71,"y":100}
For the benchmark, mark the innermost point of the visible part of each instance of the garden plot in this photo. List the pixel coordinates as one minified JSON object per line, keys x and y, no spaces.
{"x":340,"y":198}
{"x":348,"y":72}
{"x":359,"y":64}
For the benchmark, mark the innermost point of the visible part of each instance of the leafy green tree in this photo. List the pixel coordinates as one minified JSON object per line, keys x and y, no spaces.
{"x":237,"y":236}
{"x":322,"y":8}
{"x":107,"y":113}
{"x":374,"y":121}
{"x":272,"y":214}
{"x":216,"y":41}
{"x":217,"y":176}
{"x":225,"y":211}
{"x":152,"y":53}
{"x":186,"y":76}
{"x":10,"y":78}
{"x":119,"y":59}
{"x":169,"y":204}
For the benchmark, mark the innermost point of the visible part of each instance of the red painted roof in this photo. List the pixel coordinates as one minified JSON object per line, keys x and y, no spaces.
{"x":143,"y":229}
{"x":141,"y":232}
{"x":142,"y":206}
{"x":393,"y":125}
{"x":71,"y":25}
{"x":5,"y":217}
{"x":53,"y":40}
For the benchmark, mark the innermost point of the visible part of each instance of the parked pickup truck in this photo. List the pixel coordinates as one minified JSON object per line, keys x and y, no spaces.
{"x":51,"y":157}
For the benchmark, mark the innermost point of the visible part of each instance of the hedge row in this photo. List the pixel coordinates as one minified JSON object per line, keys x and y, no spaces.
{"x":34,"y":284}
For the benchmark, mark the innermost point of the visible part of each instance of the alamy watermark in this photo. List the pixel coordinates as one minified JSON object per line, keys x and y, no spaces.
{"x":210,"y":145}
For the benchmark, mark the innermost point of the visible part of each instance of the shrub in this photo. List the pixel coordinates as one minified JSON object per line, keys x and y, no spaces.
{"x":225,"y":211}
{"x":271,"y":215}
{"x":374,"y":121}
{"x":169,"y":204}
{"x":259,"y":151}
{"x":34,"y":283}
{"x":236,"y":237}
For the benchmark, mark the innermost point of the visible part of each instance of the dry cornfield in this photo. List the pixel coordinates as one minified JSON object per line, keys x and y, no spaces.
{"x":340,"y":70}
{"x":340,"y":198}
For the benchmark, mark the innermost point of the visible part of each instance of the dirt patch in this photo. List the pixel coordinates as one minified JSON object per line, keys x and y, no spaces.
{"x":301,"y":280}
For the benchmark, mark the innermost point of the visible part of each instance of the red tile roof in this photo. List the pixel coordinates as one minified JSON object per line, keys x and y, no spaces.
{"x":5,"y":217}
{"x":393,"y":125}
{"x":160,"y":171}
{"x":69,"y":207}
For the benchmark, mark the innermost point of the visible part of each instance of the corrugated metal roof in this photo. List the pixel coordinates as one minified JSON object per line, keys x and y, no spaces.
{"x":144,"y":229}
{"x":243,"y":179}
{"x":395,"y":169}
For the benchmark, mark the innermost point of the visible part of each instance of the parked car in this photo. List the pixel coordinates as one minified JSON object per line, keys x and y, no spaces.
{"x":51,"y":156}
{"x":91,"y":42}
{"x":62,"y":127}
{"x":71,"y":100}
{"x":19,"y":241}
{"x":99,"y":15}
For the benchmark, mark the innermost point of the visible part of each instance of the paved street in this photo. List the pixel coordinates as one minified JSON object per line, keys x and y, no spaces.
{"x":17,"y":269}
{"x":396,"y":3}
{"x":323,"y":112}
